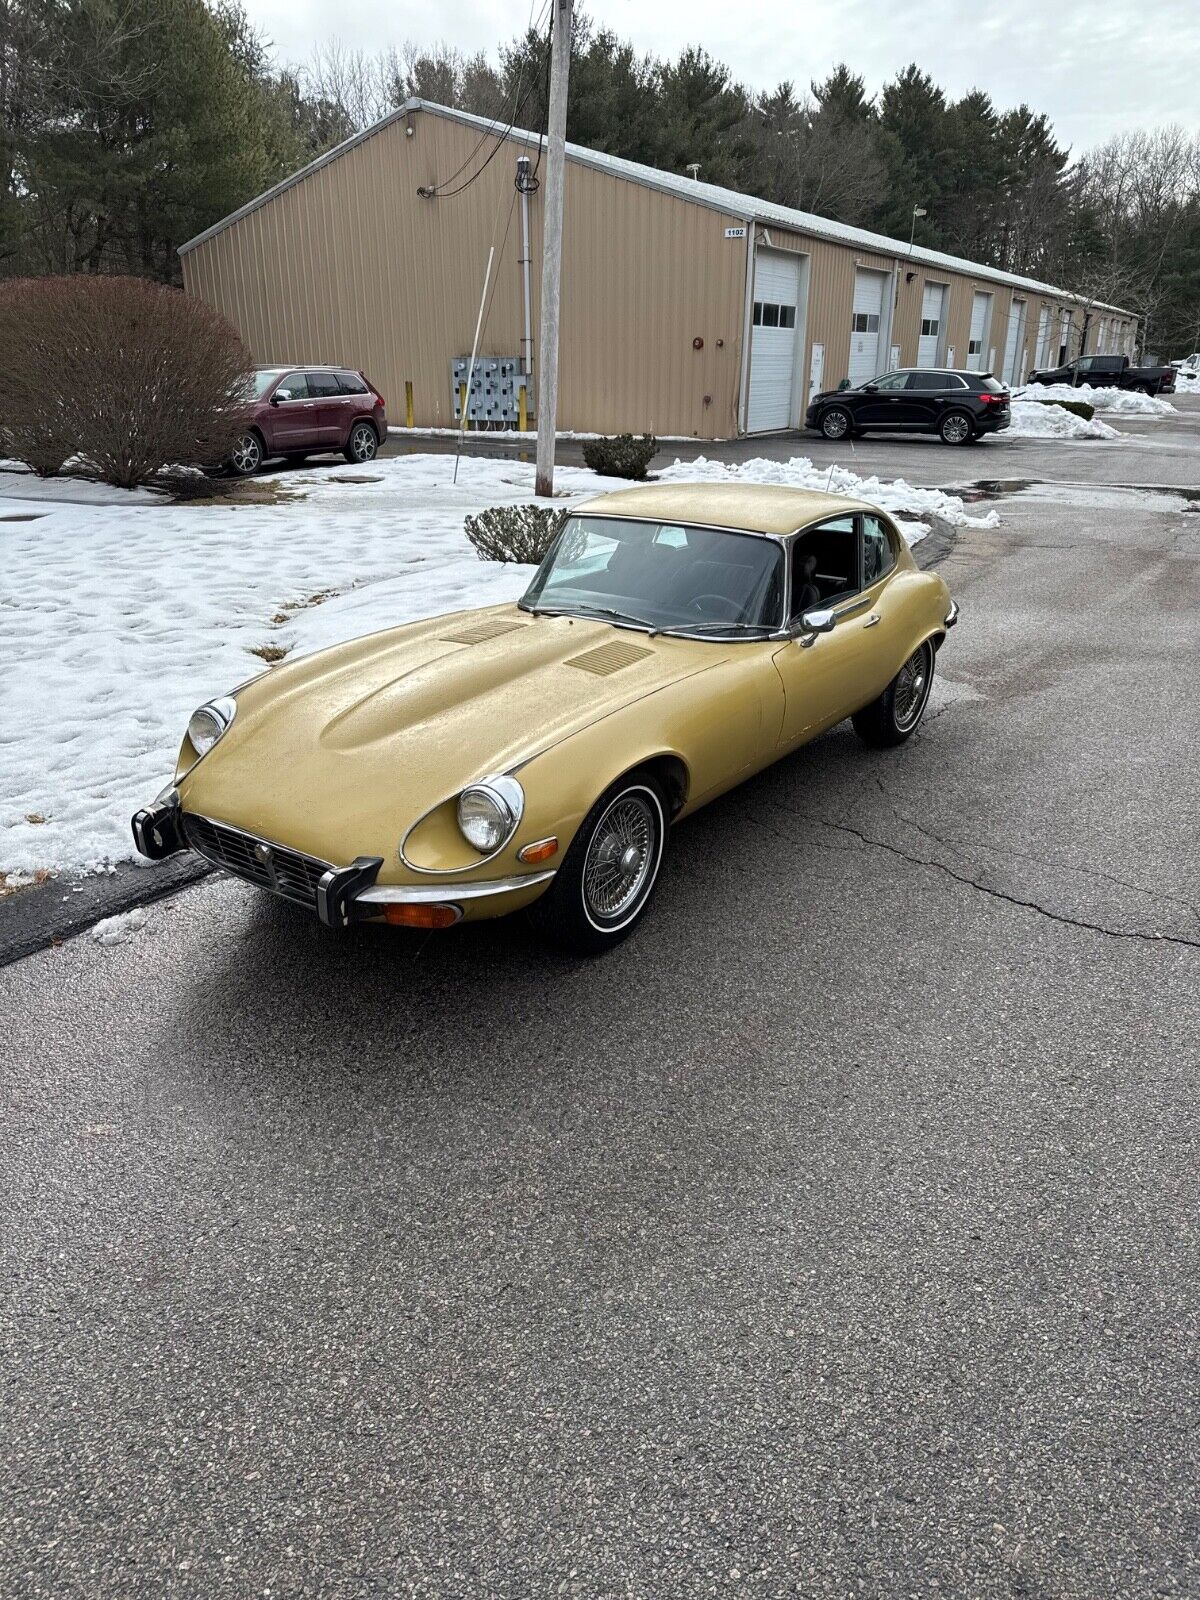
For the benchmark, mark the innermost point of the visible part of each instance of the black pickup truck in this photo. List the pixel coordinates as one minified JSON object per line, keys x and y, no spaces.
{"x":1108,"y":372}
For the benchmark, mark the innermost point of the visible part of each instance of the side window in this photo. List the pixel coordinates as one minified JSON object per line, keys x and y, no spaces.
{"x":323,"y":384}
{"x":927,"y":380}
{"x":293,"y":387}
{"x":824,"y":565}
{"x":351,"y":383}
{"x":879,"y":556}
{"x":891,"y":381}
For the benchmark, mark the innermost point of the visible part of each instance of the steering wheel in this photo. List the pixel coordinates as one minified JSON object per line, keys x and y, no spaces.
{"x":733,"y":610}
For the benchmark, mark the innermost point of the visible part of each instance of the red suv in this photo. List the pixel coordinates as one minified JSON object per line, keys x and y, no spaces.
{"x":302,"y":411}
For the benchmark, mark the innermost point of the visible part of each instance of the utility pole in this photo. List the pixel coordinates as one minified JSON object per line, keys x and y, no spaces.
{"x":552,"y":227}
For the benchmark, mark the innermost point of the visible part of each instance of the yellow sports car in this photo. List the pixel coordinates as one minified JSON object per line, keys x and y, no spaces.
{"x":674,"y":641}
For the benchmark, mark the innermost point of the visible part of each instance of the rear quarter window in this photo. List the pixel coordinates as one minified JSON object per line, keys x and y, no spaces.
{"x":352,"y":384}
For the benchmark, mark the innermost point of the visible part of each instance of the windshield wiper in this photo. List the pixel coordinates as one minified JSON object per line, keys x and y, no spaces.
{"x":590,"y":611}
{"x":715,"y":627}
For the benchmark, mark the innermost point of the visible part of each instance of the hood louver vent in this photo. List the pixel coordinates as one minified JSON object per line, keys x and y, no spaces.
{"x":480,"y":632}
{"x":608,"y":658}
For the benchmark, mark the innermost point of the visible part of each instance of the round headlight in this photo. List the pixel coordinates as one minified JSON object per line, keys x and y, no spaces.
{"x":208,"y":723}
{"x":489,"y":811}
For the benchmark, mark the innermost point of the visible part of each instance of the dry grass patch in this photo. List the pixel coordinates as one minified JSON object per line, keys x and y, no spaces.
{"x":270,"y":653}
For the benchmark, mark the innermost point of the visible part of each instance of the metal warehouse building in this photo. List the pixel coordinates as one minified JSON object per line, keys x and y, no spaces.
{"x":687,"y":309}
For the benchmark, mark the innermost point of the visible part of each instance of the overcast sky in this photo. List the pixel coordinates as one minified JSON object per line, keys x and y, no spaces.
{"x":1094,"y":66}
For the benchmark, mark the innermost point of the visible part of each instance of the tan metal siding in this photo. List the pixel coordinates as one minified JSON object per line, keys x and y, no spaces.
{"x":351,"y":266}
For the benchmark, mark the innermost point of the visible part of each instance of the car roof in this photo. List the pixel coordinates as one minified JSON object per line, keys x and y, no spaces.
{"x":753,"y":507}
{"x":303,"y":366}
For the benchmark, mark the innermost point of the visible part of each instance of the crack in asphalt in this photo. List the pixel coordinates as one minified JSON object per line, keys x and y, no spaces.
{"x":974,"y":883}
{"x":951,"y":842}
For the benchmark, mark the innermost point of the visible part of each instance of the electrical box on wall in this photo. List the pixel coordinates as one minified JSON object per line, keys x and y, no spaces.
{"x":495,"y":389}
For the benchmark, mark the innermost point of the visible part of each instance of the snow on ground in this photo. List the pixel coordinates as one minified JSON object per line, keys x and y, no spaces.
{"x":1187,"y":382}
{"x":1127,"y":402}
{"x":117,"y":620}
{"x":120,"y":929}
{"x":1033,"y":421}
{"x":893,"y":495}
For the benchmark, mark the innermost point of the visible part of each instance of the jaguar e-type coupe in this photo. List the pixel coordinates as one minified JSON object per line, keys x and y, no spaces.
{"x":674,"y":641}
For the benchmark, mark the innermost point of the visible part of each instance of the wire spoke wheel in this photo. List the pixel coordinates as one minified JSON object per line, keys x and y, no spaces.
{"x":912,"y":689}
{"x":621,"y":858}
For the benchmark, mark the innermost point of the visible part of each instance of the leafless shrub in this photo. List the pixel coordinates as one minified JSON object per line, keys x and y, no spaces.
{"x":125,"y":375}
{"x":514,"y":533}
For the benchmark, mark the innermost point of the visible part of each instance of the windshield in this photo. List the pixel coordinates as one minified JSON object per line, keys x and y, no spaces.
{"x":662,"y":575}
{"x":262,"y":379}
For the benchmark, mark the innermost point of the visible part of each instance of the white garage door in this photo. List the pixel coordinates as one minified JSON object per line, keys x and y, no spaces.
{"x":865,"y":324}
{"x":1043,"y":340}
{"x":981,"y":308}
{"x":933,"y":316}
{"x":773,"y":341}
{"x":1014,"y":341}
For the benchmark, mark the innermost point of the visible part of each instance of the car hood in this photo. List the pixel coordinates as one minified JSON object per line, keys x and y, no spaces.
{"x":326,"y":750}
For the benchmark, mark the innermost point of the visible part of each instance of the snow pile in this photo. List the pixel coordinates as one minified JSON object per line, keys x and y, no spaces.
{"x":1030,"y":420}
{"x":893,"y":495}
{"x":1187,"y":382}
{"x":1128,"y":402}
{"x":121,"y":929}
{"x":119,"y":619}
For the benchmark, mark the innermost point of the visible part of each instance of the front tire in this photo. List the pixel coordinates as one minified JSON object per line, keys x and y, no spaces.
{"x":362,"y":445}
{"x":837,"y":423}
{"x":607,"y":877}
{"x":894,"y":717}
{"x":247,"y":455}
{"x":956,"y":428}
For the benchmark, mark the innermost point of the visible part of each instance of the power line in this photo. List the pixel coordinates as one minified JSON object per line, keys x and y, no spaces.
{"x":436,"y":191}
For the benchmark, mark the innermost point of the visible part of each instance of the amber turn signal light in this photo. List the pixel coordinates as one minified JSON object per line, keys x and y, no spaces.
{"x":539,"y":850}
{"x":402,"y":915}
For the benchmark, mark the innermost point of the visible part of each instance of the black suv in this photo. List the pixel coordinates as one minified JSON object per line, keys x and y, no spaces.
{"x":958,"y":406}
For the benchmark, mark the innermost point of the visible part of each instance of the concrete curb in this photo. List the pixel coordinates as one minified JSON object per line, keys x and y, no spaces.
{"x":35,"y":918}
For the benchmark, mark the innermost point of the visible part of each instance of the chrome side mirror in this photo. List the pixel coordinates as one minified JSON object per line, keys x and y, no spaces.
{"x":813,"y":623}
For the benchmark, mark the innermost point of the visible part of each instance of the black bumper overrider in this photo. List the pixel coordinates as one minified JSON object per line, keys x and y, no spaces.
{"x":339,"y":886}
{"x":156,"y":829}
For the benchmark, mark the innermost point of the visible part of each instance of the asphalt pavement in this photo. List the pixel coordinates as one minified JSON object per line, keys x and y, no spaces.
{"x":834,"y":1236}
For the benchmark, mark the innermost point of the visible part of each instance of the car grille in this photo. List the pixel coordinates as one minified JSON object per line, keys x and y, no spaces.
{"x":283,"y":872}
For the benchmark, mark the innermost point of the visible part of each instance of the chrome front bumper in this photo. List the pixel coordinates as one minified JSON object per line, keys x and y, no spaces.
{"x":337,"y":895}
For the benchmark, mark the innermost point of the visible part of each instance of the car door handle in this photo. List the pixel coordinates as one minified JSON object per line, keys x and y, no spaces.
{"x":871,"y":620}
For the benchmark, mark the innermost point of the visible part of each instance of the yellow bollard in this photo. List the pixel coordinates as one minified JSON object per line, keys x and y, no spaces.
{"x":522,"y":413}
{"x":408,"y":403}
{"x":462,"y":405}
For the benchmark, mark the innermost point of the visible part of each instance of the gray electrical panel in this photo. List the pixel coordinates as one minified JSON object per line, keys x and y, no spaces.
{"x":496,"y":383}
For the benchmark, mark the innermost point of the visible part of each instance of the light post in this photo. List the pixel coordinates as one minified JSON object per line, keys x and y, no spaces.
{"x":918,"y":211}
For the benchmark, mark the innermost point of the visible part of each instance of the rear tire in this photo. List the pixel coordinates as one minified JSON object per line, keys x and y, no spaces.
{"x":362,"y":445}
{"x":894,"y":717}
{"x":956,"y":427}
{"x":608,"y":875}
{"x":837,"y":423}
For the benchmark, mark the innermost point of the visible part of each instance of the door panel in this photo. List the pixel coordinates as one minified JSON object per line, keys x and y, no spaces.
{"x":933,"y":307}
{"x":332,"y":421}
{"x":773,"y":341}
{"x":865,"y":324}
{"x":294,"y":420}
{"x":890,"y":406}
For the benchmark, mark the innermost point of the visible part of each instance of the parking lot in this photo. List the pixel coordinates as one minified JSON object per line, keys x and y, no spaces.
{"x":835,"y":1235}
